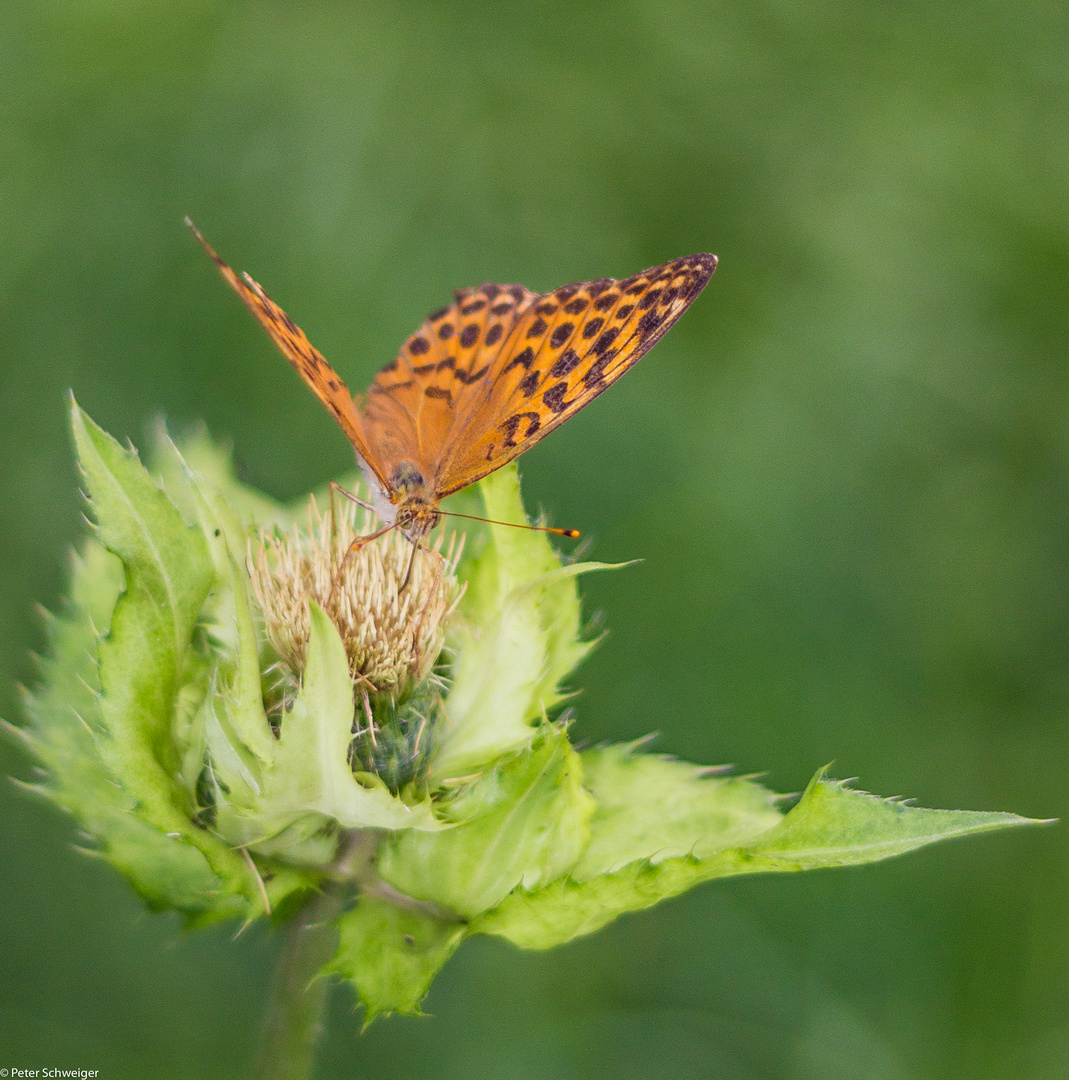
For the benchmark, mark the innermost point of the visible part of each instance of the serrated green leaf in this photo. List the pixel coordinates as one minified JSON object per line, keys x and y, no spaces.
{"x":168,"y":574}
{"x":834,"y":825}
{"x":166,"y":871}
{"x":228,"y":607}
{"x":651,"y":807}
{"x":229,"y":770}
{"x":310,"y":773}
{"x":391,"y":953}
{"x":831,"y":825}
{"x":525,"y":822}
{"x":515,"y":638}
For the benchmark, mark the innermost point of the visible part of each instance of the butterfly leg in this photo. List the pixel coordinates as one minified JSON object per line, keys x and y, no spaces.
{"x":350,"y":496}
{"x":354,"y":547}
{"x":336,"y":487}
{"x":411,"y":563}
{"x":369,"y":714}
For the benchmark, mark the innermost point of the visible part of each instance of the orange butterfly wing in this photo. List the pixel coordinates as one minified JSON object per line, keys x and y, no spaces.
{"x":320,"y":377}
{"x":411,"y":408}
{"x":564,"y":349}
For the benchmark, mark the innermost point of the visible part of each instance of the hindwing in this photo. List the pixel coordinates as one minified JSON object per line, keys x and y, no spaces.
{"x":412,"y":408}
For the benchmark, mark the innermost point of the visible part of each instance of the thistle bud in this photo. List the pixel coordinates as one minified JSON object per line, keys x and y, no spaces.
{"x":392,"y":629}
{"x":390,"y":602}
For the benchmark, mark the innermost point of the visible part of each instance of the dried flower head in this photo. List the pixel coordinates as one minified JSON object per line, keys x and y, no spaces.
{"x":392,"y":636}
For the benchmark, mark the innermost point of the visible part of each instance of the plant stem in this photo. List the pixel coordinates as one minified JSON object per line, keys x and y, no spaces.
{"x":294,"y":1020}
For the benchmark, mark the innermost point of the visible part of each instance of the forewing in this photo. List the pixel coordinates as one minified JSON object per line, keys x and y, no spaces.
{"x":319,"y":376}
{"x":566,"y":348}
{"x":412,"y":407}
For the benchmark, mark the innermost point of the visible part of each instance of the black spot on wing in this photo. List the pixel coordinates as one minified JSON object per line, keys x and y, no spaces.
{"x":523,"y":359}
{"x":648,"y":323}
{"x":566,"y":362}
{"x":510,"y":426}
{"x":470,"y":376}
{"x":605,"y":340}
{"x":561,"y":334}
{"x":530,"y":383}
{"x":553,"y":398}
{"x":594,"y":376}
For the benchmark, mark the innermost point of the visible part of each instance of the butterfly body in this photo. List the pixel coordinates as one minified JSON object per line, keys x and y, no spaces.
{"x":484,"y":378}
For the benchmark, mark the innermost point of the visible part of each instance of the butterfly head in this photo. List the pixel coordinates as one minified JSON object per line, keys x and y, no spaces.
{"x":416,"y":519}
{"x":417,"y":507}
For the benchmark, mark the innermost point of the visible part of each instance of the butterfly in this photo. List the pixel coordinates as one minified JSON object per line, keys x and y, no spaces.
{"x":484,"y":378}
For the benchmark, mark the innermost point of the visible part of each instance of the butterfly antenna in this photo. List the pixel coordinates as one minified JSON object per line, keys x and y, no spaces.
{"x":411,"y":563}
{"x":572,"y":534}
{"x":333,"y":524}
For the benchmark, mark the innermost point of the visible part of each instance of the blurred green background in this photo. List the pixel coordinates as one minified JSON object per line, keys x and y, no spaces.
{"x":846,"y":470}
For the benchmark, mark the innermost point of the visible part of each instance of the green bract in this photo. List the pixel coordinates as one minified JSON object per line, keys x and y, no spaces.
{"x":223,"y":782}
